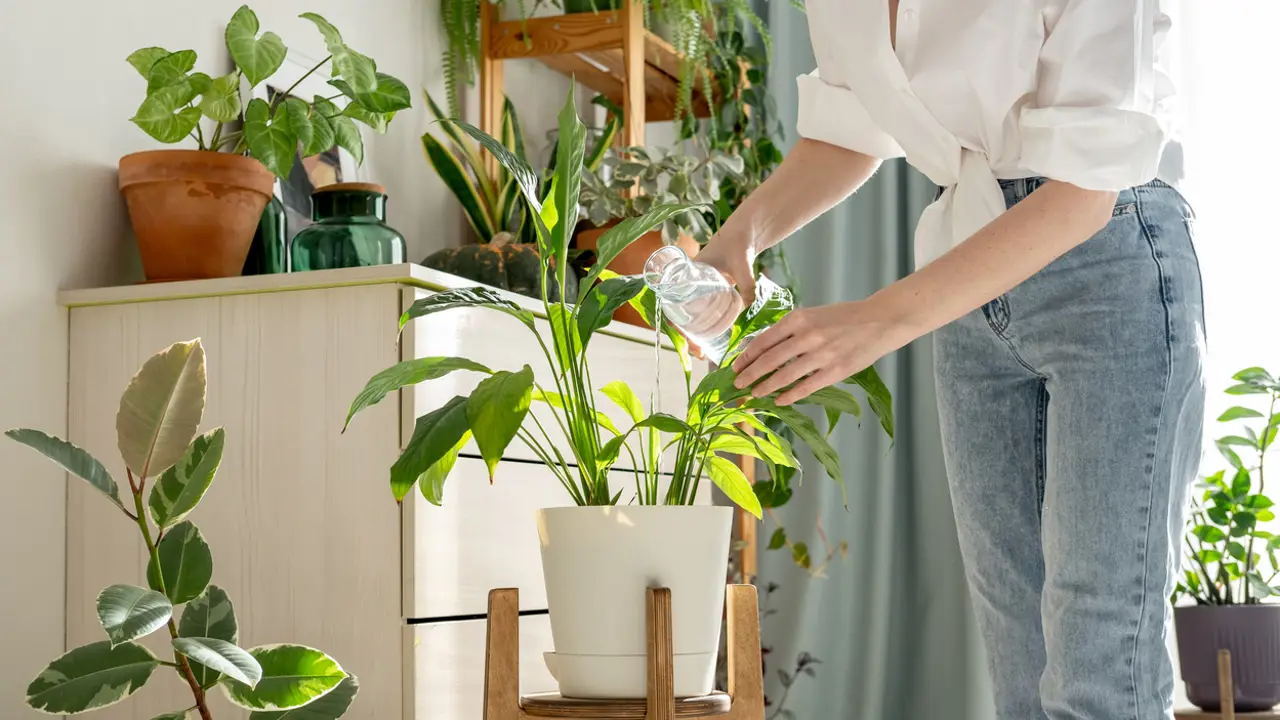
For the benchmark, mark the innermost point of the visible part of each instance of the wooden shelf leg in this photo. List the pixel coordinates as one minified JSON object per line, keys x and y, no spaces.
{"x":661,"y":695}
{"x":633,"y":95}
{"x":746,"y":679}
{"x":502,"y":656}
{"x":492,"y":94}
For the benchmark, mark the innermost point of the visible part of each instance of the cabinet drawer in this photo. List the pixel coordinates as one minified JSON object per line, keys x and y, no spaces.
{"x":483,"y":537}
{"x":448,"y":666}
{"x":501,"y":342}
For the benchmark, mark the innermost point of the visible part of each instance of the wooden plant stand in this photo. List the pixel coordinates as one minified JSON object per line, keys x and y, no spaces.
{"x":1226,"y":691}
{"x":745,"y":700}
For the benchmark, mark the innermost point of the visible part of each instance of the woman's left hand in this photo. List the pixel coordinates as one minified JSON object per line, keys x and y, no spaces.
{"x":812,"y":348}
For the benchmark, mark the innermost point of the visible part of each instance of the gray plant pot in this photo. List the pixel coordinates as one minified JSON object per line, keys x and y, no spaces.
{"x":1251,"y":633}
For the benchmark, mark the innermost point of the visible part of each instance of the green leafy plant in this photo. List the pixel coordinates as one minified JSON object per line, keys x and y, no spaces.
{"x":157,"y":434}
{"x":1225,"y":542}
{"x":178,"y":99}
{"x":497,"y":411}
{"x":664,"y":179}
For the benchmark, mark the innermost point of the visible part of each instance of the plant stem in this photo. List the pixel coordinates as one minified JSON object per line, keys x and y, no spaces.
{"x":154,"y":551}
{"x":294,"y":86}
{"x":1262,"y":485}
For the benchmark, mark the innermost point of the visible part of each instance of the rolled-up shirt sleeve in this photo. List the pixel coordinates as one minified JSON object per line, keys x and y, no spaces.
{"x":833,"y":114}
{"x":1095,"y":121}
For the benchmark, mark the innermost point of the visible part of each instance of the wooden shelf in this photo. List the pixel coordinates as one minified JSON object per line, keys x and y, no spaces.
{"x":588,"y":47}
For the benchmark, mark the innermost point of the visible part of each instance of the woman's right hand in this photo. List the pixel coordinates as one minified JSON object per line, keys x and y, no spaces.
{"x":732,"y":254}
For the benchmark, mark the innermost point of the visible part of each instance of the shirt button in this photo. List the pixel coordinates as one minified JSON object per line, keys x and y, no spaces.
{"x":909,"y":15}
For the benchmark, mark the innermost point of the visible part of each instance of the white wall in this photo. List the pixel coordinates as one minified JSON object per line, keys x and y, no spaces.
{"x":67,"y":94}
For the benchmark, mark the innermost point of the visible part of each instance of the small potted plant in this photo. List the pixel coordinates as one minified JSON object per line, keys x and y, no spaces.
{"x":603,"y":550}
{"x":157,"y":426}
{"x":195,"y":211}
{"x":1226,"y":551}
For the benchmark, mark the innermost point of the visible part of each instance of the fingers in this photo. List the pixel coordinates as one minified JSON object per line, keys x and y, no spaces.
{"x":787,"y":375}
{"x":770,"y":366}
{"x":809,"y":386}
{"x":765,"y":341}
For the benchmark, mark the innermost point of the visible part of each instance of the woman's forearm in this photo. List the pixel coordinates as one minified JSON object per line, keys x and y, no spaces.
{"x":813,"y":178}
{"x":1049,"y":222}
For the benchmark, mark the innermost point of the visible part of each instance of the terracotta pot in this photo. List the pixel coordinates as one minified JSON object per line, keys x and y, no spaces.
{"x":632,"y":259}
{"x":194,"y":212}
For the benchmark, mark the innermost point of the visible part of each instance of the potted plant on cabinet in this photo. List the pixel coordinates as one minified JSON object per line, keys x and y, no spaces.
{"x":602,"y":551}
{"x":1226,"y":547}
{"x":195,"y":211}
{"x":157,"y":425}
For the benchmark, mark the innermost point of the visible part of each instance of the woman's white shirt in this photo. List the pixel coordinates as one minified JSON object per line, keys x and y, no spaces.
{"x":983,"y":89}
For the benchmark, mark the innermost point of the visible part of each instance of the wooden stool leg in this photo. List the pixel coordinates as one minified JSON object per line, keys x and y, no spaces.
{"x":746,"y":674}
{"x":1226,"y":689}
{"x":661,"y":695}
{"x":502,"y":656}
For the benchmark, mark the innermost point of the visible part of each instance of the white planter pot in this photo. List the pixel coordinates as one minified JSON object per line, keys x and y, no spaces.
{"x":598,"y":562}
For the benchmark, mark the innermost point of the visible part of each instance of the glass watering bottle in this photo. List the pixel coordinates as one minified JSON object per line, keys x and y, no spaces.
{"x":695,"y":298}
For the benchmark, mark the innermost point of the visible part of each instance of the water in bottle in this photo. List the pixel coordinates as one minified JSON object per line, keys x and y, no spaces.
{"x":695,"y":298}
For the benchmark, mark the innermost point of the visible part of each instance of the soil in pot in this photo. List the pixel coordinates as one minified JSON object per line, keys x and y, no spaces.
{"x":598,"y":562}
{"x":194,"y":212}
{"x":631,"y":260}
{"x":1251,"y":633}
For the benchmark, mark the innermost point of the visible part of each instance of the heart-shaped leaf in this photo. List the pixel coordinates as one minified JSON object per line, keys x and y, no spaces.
{"x":388,"y":96}
{"x":143,"y":59}
{"x":270,"y":140}
{"x":358,"y":70}
{"x":180,"y":488}
{"x":330,"y":706}
{"x":76,"y":461}
{"x":170,"y":69}
{"x":258,"y":58}
{"x":210,"y":615}
{"x":409,"y":372}
{"x":91,"y":677}
{"x":164,"y":114}
{"x":292,"y":676}
{"x":322,"y":137}
{"x":348,"y":137}
{"x":221,"y":656}
{"x":296,"y":116}
{"x":376,"y":121}
{"x":496,"y":410}
{"x":186,"y":565}
{"x":129,"y":612}
{"x":161,"y":408}
{"x":221,"y":102}
{"x":433,"y":436}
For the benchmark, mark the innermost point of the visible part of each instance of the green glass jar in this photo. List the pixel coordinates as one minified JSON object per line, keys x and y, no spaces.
{"x":268,"y":253}
{"x":350,"y":230}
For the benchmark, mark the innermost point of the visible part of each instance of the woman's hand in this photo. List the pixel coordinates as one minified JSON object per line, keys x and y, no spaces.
{"x":733,"y":254}
{"x":812,"y":348}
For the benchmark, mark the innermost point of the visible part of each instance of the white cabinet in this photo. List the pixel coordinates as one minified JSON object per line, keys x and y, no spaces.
{"x":306,"y":537}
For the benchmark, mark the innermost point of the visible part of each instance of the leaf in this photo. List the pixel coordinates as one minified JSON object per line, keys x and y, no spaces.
{"x":1240,"y":485}
{"x":665,"y":423}
{"x":347,"y":136}
{"x":1230,"y":455}
{"x":128,"y":612}
{"x":1236,"y":550}
{"x":804,"y":429}
{"x":433,"y":436}
{"x":1258,"y":502}
{"x":258,"y":58}
{"x":221,"y":102}
{"x":322,"y":135}
{"x":1259,"y":586}
{"x":1237,"y":440}
{"x":455,"y":177}
{"x":1254,"y":375}
{"x":356,"y":69}
{"x":221,"y":656}
{"x":617,"y":238}
{"x":294,"y":115}
{"x":409,"y":372}
{"x":292,"y":676}
{"x":74,"y":460}
{"x":1218,"y":515}
{"x":330,"y":706}
{"x":878,"y":396}
{"x":186,"y":565}
{"x":209,"y":616}
{"x":376,"y":121}
{"x":624,"y":397}
{"x":836,"y":401}
{"x":143,"y":59}
{"x":1209,"y":534}
{"x":181,"y":487}
{"x":779,"y":539}
{"x":570,"y":150}
{"x":91,"y":677}
{"x":466,"y":297}
{"x":431,"y":482}
{"x":170,"y":69}
{"x":161,"y":409}
{"x":717,"y":387}
{"x":761,"y":448}
{"x":164,"y":114}
{"x":526,"y":179}
{"x":800,"y":554}
{"x":729,"y":478}
{"x":270,"y":140}
{"x":1242,"y":522}
{"x":1237,"y":413}
{"x":496,"y":410}
{"x":1246,"y":389}
{"x":556,"y":400}
{"x":596,"y":311}
{"x":771,"y":303}
{"x":388,"y":96}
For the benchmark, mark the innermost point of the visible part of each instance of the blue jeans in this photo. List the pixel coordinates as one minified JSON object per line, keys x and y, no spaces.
{"x":1072,"y":410}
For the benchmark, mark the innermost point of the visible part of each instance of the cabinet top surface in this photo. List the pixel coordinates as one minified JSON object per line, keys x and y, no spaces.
{"x":407,"y":275}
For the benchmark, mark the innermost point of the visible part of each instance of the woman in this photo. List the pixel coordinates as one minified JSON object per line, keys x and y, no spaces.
{"x":1059,"y":276}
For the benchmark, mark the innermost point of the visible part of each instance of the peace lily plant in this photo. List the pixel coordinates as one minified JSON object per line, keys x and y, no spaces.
{"x":156,"y":428}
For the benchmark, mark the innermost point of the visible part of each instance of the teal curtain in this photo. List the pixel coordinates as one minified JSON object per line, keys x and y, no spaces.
{"x":891,"y":622}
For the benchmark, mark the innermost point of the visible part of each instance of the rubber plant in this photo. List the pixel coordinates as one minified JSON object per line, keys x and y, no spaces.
{"x":178,"y":98}
{"x":162,"y":450}
{"x":497,"y":412}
